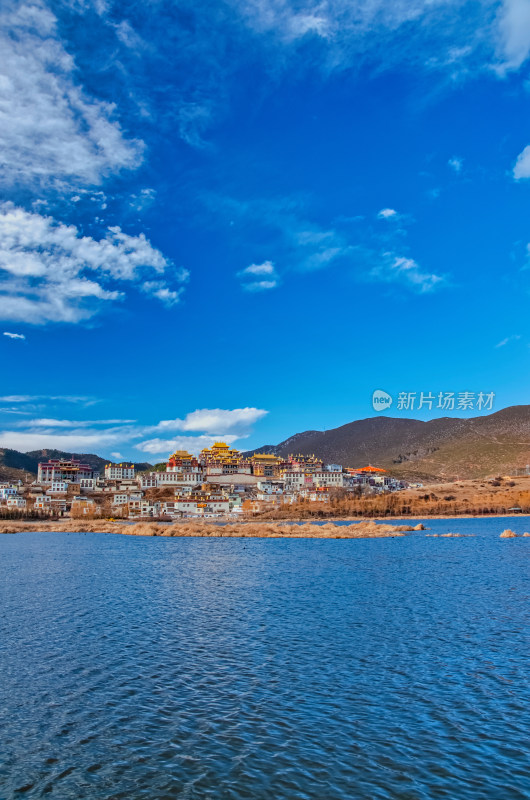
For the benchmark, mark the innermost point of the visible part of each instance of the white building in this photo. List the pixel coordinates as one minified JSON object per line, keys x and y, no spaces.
{"x":83,"y":505}
{"x":42,"y":501}
{"x":7,"y":491}
{"x":131,"y":499}
{"x":270,"y":487}
{"x":296,"y":481}
{"x":58,"y":487}
{"x":152,"y":480}
{"x":119,"y":472}
{"x":60,"y":469}
{"x":329,"y":478}
{"x":14,"y":501}
{"x":149,"y":508}
{"x":194,"y":506}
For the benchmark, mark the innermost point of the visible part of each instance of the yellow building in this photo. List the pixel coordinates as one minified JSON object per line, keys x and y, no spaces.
{"x":303,"y":463}
{"x":266,"y":465}
{"x":181,"y":458}
{"x":220,"y":459}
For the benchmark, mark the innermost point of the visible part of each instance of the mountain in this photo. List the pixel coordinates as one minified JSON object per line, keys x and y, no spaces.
{"x":15,"y":465}
{"x":444,"y":448}
{"x":441,"y":449}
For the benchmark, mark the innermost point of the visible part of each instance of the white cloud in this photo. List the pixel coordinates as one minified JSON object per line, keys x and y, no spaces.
{"x":117,"y":455}
{"x":129,"y":37}
{"x":14,"y":335}
{"x":30,"y":398}
{"x":307,"y":246}
{"x":513,"y":33}
{"x":193,"y":444}
{"x":260,"y":286}
{"x":46,"y":422}
{"x":83,"y":435}
{"x":49,"y":272}
{"x":332,"y":19}
{"x":249,"y":274}
{"x":50,"y":129}
{"x":456,"y":163}
{"x":143,"y":200}
{"x":17,"y":398}
{"x":160,"y":290}
{"x":399,"y":269}
{"x":436,"y":34}
{"x":302,"y":244}
{"x":507,"y":340}
{"x":72,"y":441}
{"x":215,"y":421}
{"x":193,"y":119}
{"x":267,"y":268}
{"x":522,"y":165}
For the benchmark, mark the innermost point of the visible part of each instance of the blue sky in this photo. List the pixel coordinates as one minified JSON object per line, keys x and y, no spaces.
{"x":238,"y":219}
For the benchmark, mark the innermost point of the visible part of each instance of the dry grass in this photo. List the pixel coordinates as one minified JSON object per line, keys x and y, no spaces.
{"x":272,"y":530}
{"x":458,"y":498}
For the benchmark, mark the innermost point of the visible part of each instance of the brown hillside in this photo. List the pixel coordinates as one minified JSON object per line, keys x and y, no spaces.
{"x":443,"y":448}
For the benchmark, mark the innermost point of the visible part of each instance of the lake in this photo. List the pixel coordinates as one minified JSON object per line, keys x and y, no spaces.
{"x":229,"y":668}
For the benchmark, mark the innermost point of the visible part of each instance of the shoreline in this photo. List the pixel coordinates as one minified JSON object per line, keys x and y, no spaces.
{"x":334,"y":528}
{"x":408,"y":517}
{"x":278,"y":530}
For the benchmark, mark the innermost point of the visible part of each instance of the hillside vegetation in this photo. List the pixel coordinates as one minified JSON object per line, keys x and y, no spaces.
{"x":15,"y":465}
{"x":441,"y":449}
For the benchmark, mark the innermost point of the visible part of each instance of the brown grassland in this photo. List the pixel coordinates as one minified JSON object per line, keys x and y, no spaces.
{"x":494,"y":497}
{"x":357,"y":530}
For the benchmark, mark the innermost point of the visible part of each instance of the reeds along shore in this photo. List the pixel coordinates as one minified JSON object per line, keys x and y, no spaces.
{"x":357,"y":530}
{"x":467,"y":498}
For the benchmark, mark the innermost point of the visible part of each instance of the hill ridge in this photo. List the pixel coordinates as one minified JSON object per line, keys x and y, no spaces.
{"x":440,"y":448}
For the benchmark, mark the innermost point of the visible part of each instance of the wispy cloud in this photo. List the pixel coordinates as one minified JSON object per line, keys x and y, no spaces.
{"x":193,"y":444}
{"x":305,"y":246}
{"x":456,"y":164}
{"x":258,"y":277}
{"x":84,"y":442}
{"x":507,"y":340}
{"x":33,"y":398}
{"x":452,"y":36}
{"x":282,"y":225}
{"x":521,"y":169}
{"x":200,"y":428}
{"x":49,"y":272}
{"x":513,"y":34}
{"x":194,"y":119}
{"x":387,"y":213}
{"x":393,"y":268}
{"x":14,"y":335}
{"x":215,"y":420}
{"x":50,"y":128}
{"x":160,"y":290}
{"x":46,"y":422}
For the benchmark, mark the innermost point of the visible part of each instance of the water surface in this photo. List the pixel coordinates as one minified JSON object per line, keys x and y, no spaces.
{"x":247,"y":668}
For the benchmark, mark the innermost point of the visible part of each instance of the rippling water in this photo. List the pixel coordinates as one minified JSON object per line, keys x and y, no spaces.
{"x":232,"y":668}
